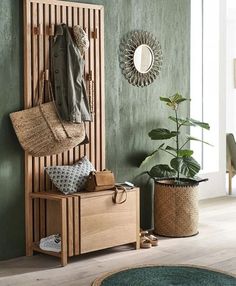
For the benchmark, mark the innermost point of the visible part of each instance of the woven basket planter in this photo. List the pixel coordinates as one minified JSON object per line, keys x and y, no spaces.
{"x":175,"y":209}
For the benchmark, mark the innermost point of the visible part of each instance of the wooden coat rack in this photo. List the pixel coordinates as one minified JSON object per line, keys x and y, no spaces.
{"x":86,"y":221}
{"x":40,"y":18}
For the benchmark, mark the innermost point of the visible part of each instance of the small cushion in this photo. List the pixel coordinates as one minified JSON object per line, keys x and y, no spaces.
{"x":70,"y":179}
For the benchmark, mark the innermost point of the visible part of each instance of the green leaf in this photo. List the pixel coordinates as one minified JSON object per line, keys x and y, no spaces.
{"x":161,"y":171}
{"x":199,"y":140}
{"x":199,"y":123}
{"x":161,"y":134}
{"x":182,"y":153}
{"x":150,"y":156}
{"x":165,"y":99}
{"x":177,"y":98}
{"x":187,"y":166}
{"x":174,"y":100}
{"x":181,"y":121}
{"x":185,"y":153}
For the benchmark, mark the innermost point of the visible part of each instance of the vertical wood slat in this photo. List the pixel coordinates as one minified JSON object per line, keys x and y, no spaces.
{"x":63,"y":232}
{"x":80,"y":15}
{"x":64,"y":20}
{"x":74,"y":23}
{"x":102,"y":90}
{"x":70,"y":153}
{"x":58,"y":20}
{"x":37,"y":51}
{"x":50,"y":207}
{"x":91,"y":70}
{"x":35,"y":93}
{"x":52,"y":22}
{"x":86,"y":72}
{"x":70,"y":226}
{"x":137,"y":246}
{"x":41,"y":68}
{"x":97,"y":101}
{"x":47,"y":184}
{"x":76,"y":205}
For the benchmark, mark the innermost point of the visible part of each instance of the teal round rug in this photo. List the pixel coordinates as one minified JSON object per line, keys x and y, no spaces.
{"x":166,"y":275}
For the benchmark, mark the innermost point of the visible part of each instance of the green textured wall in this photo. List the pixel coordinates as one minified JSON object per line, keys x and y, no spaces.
{"x":11,"y":155}
{"x":130,"y":111}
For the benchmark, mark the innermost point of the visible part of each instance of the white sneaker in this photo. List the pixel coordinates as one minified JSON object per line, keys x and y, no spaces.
{"x":51,"y":243}
{"x":50,"y":237}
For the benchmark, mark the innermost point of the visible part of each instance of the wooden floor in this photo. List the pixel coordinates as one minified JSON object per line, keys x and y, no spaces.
{"x":215,"y":246}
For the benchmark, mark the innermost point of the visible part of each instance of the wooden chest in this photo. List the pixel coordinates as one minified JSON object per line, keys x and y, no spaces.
{"x":90,"y":221}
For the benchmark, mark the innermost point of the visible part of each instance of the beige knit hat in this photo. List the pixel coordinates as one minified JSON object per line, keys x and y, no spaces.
{"x":81,"y":39}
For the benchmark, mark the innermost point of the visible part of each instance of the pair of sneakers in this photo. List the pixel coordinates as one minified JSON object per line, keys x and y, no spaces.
{"x":147,"y":240}
{"x":51,"y":243}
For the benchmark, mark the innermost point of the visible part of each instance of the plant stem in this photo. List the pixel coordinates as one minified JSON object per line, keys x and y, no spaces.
{"x":167,"y":152}
{"x":177,"y":139}
{"x":184,"y":144}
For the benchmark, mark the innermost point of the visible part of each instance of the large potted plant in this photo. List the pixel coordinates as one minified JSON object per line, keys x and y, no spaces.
{"x":176,"y":184}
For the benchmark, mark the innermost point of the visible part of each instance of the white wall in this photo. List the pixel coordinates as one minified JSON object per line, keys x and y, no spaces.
{"x":231,"y":55}
{"x":230,"y":74}
{"x":212,"y":97}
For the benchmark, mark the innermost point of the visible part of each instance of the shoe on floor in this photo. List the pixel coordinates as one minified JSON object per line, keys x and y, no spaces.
{"x":145,"y":242}
{"x":153,"y":239}
{"x":51,"y":243}
{"x":50,"y":237}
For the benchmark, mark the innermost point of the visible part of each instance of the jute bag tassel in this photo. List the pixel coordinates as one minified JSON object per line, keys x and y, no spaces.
{"x":41,"y":131}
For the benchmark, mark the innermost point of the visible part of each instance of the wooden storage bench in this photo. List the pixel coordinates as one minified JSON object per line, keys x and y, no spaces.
{"x":89,"y":221}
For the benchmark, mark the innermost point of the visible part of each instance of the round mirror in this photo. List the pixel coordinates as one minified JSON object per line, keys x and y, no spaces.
{"x":140,"y":58}
{"x":143,"y":58}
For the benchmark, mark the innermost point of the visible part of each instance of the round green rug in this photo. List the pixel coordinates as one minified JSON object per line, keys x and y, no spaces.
{"x":166,"y":275}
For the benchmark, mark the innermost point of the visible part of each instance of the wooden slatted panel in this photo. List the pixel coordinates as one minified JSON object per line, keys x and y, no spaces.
{"x":44,"y":14}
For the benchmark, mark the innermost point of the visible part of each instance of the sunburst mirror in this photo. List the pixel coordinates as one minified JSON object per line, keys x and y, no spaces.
{"x":140,"y":58}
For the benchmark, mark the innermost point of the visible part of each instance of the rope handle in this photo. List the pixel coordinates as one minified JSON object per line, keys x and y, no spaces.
{"x":45,"y":77}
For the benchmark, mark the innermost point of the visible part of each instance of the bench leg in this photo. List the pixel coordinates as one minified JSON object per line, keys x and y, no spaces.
{"x":63,"y":233}
{"x":137,"y":244}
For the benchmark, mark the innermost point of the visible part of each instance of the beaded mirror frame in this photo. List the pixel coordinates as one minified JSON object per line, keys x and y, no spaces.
{"x":128,"y":46}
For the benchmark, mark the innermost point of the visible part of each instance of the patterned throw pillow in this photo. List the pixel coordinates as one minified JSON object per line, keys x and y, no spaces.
{"x":70,"y":179}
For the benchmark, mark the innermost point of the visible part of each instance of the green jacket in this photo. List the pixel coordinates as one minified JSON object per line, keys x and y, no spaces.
{"x":68,"y":69}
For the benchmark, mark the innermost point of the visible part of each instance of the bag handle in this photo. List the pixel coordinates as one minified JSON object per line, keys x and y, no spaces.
{"x":45,"y":77}
{"x":114,"y":197}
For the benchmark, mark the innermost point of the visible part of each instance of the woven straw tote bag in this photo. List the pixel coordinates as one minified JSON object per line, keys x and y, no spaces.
{"x":40,"y":130}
